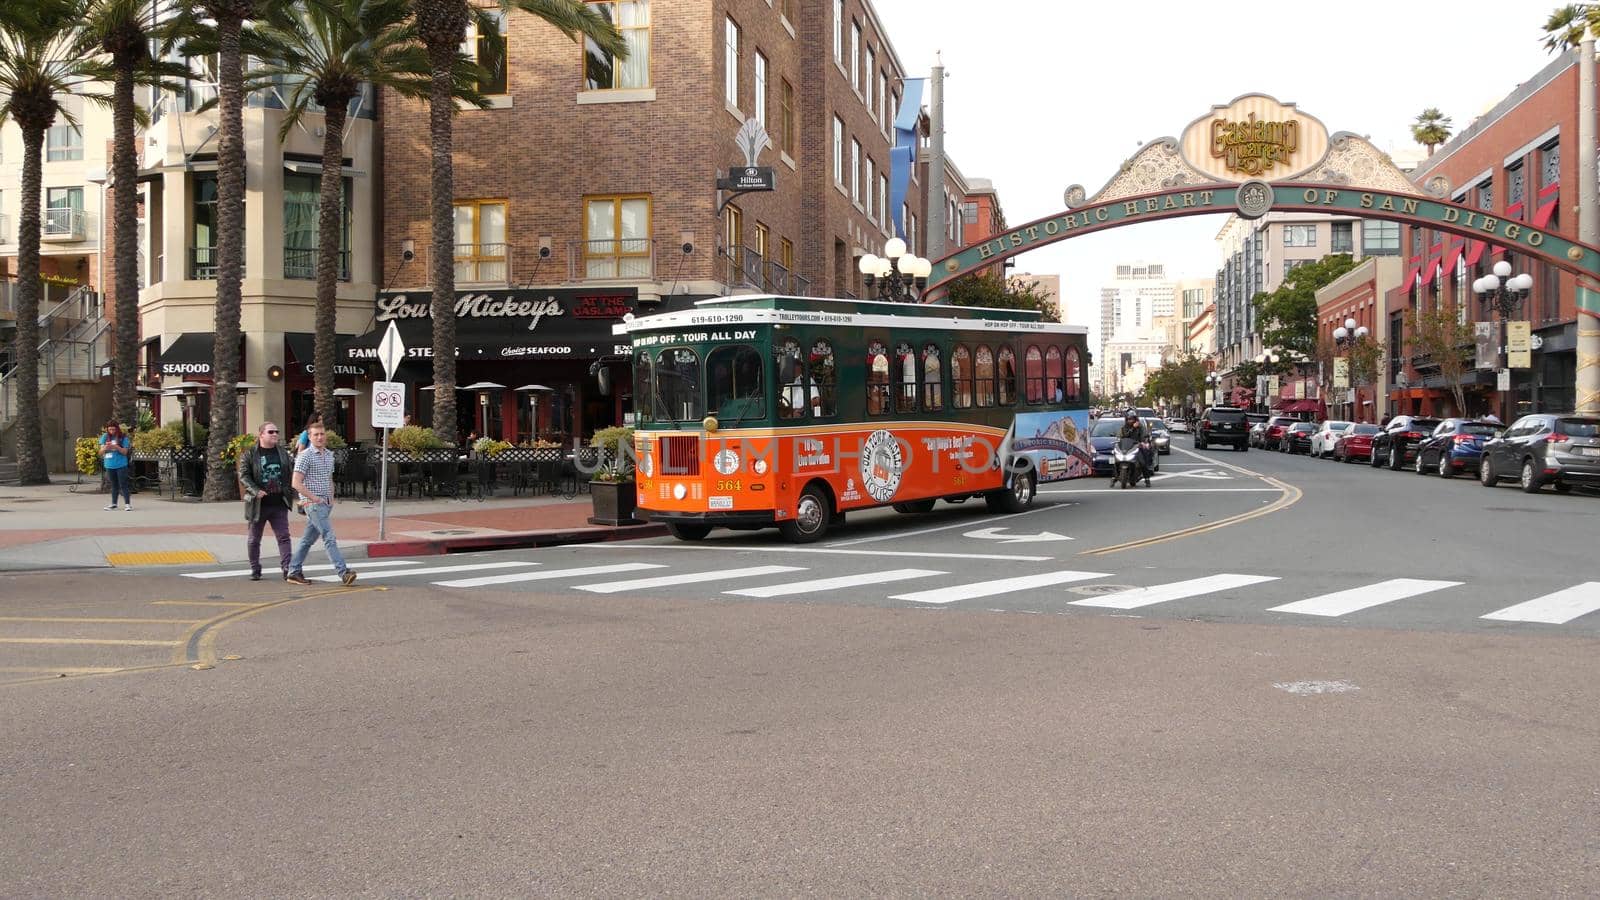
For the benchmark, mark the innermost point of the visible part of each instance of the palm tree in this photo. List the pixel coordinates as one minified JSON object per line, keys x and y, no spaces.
{"x":135,"y":40}
{"x":326,"y":50}
{"x":442,"y":26}
{"x":1565,"y":28}
{"x":44,"y":57}
{"x":1431,"y":128}
{"x":228,"y":18}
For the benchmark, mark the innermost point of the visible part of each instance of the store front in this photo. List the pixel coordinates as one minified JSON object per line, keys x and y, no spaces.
{"x":299,"y":385}
{"x":545,"y":341}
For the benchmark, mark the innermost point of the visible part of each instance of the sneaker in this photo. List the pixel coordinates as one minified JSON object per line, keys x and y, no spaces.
{"x":296,"y":578}
{"x":128,"y":508}
{"x":111,"y":508}
{"x":348,"y":576}
{"x":255,"y":576}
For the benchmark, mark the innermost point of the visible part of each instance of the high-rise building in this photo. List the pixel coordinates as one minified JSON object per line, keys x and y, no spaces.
{"x":1130,"y":303}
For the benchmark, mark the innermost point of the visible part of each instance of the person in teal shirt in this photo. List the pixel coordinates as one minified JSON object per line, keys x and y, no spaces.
{"x":114,"y":453}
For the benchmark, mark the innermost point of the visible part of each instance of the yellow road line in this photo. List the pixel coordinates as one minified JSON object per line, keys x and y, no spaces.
{"x":161,"y":558}
{"x":68,"y":670}
{"x":98,"y":642}
{"x":1291,"y":496}
{"x":97,"y":621}
{"x":198,"y":603}
{"x":205,"y":649}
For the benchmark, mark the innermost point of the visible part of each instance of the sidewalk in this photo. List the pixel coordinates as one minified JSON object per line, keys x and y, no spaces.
{"x":52,"y":526}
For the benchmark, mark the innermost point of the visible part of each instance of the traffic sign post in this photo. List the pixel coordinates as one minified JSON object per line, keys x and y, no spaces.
{"x":388,"y":411}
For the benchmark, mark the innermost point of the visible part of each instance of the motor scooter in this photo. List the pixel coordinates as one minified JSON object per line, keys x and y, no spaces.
{"x":1129,"y":463}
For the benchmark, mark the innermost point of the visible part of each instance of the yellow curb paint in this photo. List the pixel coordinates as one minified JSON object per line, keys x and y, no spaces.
{"x":161,"y":558}
{"x":97,"y":642}
{"x":94,"y":621}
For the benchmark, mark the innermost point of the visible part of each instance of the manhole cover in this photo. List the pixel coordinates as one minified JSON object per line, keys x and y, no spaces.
{"x":1095,"y":590}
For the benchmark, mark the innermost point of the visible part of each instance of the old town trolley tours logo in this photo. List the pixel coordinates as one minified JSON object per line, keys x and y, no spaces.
{"x":882,"y":463}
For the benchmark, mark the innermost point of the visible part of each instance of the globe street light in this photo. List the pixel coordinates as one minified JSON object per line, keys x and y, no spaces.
{"x":1503,"y":292}
{"x":1345,"y":337}
{"x":896,"y":274}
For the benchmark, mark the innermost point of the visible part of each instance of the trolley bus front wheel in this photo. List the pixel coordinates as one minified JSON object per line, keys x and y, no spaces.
{"x":811,"y":517}
{"x":688,"y":531}
{"x":1016,"y":497}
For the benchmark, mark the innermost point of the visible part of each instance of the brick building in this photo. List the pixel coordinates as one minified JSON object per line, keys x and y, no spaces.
{"x":589,"y":190}
{"x":1358,"y":294}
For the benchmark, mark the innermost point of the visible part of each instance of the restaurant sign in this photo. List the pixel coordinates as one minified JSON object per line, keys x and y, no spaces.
{"x":504,"y":324}
{"x":1254,"y":136}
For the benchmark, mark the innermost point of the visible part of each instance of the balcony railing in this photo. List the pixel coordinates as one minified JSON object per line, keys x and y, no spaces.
{"x":747,"y":268}
{"x":301,"y":263}
{"x":483,"y":264}
{"x":62,"y":223}
{"x":203,"y":263}
{"x":621,"y":259}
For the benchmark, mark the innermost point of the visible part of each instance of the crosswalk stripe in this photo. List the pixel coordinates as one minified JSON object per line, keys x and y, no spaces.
{"x":830,"y":584}
{"x":1554,"y":609}
{"x":613,"y":587}
{"x":1177,"y":590}
{"x":366,"y":564}
{"x":431,"y":570}
{"x":997,"y":586}
{"x":547,"y":575}
{"x":1341,"y":603}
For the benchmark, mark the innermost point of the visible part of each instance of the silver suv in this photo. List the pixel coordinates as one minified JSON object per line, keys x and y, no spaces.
{"x":1541,"y":449}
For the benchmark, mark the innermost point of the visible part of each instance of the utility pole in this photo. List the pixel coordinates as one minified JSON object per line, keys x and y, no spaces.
{"x":1588,"y":381}
{"x":936,"y":204}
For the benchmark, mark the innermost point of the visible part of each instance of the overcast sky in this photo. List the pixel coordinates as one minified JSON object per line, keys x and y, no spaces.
{"x":1041,"y":94}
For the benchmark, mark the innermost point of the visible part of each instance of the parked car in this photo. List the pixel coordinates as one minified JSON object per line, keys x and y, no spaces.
{"x":1355,"y":442}
{"x":1541,"y":449}
{"x":1297,"y":438}
{"x":1222,"y":425}
{"x":1454,"y":446}
{"x":1272,"y":435}
{"x":1160,"y":435}
{"x":1397,"y":444}
{"x":1326,"y":434}
{"x":1258,"y":424}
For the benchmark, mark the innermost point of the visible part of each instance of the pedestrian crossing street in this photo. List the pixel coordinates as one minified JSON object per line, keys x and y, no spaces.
{"x":929,"y":587}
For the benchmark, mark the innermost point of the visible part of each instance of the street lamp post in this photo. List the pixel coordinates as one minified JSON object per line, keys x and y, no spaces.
{"x":895,"y":275}
{"x":1344,"y":337}
{"x":1503,"y":292}
{"x":1268,"y":361}
{"x":1212,"y":380}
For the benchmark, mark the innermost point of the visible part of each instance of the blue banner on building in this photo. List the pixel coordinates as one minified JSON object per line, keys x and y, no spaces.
{"x":903,"y":158}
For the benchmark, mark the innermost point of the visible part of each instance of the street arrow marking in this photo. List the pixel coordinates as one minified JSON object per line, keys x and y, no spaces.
{"x":998,"y":534}
{"x":1206,"y":474}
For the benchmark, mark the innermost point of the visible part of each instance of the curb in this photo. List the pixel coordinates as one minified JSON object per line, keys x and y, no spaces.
{"x":511,"y":540}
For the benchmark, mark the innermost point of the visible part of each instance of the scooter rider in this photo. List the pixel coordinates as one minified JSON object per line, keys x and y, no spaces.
{"x":1137,"y":428}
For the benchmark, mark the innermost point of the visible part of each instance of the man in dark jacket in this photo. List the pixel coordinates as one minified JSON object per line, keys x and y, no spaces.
{"x":265,"y":473}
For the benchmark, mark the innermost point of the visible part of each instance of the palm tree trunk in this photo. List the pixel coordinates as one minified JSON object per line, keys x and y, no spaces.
{"x":124,"y":215}
{"x":31,"y":466}
{"x":220,"y":482}
{"x":330,"y":208}
{"x":441,"y":112}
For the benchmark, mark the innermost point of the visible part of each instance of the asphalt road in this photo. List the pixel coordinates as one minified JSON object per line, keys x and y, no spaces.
{"x":966,"y":704}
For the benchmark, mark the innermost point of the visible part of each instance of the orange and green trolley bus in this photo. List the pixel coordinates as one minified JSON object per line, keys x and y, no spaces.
{"x":760,"y":411}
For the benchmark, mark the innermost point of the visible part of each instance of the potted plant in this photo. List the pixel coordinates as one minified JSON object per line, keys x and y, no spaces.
{"x":86,"y":453}
{"x":611,"y":487}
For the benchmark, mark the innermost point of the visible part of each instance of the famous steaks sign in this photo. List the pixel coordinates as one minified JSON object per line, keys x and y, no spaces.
{"x":506,"y":324}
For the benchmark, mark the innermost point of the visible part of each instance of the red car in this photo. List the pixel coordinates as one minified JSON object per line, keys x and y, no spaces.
{"x":1355,"y":443}
{"x":1272,"y":437}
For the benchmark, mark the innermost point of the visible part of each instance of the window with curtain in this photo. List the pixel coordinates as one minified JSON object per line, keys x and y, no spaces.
{"x":1074,"y":374}
{"x":983,"y":372}
{"x":906,"y":371}
{"x":824,"y":378}
{"x":301,"y":202}
{"x":961,"y":377}
{"x":604,"y":72}
{"x":1053,"y":390}
{"x":877,"y":379}
{"x":1008,"y":376}
{"x":480,"y":239}
{"x":1033,"y":373}
{"x":617,"y":236}
{"x":932,"y":379}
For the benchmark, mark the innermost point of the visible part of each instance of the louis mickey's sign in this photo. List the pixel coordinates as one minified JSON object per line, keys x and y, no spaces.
{"x":528,"y":310}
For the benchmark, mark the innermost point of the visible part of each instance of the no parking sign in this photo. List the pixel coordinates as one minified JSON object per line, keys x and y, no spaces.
{"x":388,"y":404}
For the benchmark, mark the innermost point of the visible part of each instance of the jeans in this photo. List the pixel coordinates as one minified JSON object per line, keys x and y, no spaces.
{"x":319,"y":522}
{"x":120,"y":482}
{"x":273,"y":511}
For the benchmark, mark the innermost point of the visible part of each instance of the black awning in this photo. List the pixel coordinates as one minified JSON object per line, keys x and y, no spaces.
{"x":189,"y":354}
{"x":299,"y":349}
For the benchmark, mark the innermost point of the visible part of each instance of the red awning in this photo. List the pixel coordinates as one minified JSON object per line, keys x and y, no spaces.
{"x":1474,"y":252}
{"x":1541,"y":218}
{"x":1514,"y":211}
{"x":1429,"y":269}
{"x":1450,"y":259}
{"x":1300,"y":406}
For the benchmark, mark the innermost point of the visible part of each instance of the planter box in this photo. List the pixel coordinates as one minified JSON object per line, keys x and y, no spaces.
{"x":614,"y":502}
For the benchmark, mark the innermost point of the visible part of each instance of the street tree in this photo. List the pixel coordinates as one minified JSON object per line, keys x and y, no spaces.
{"x":442,"y":28}
{"x":134,"y":38}
{"x":45,"y":56}
{"x":1565,"y":26}
{"x":326,"y":50}
{"x":991,"y":291}
{"x":1442,"y":338}
{"x":1431,"y":128}
{"x":1286,"y":318}
{"x":1179,"y":379}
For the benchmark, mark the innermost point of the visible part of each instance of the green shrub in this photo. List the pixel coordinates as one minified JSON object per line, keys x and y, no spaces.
{"x":615,"y":463}
{"x":414,"y":439}
{"x":86,"y":453}
{"x":158,"y":439}
{"x":241,"y":444}
{"x":147,"y":421}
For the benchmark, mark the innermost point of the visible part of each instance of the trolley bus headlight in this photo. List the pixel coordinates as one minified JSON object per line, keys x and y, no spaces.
{"x":679,"y":492}
{"x":726,"y":462}
{"x":759,"y":466}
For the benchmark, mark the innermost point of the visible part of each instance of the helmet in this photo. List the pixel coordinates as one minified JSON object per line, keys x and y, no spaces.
{"x":1130,"y":415}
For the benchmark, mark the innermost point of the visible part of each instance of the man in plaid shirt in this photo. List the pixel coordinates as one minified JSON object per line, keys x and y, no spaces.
{"x":313,"y":480}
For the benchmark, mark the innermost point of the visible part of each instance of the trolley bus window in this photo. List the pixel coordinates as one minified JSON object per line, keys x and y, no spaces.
{"x":1052,"y":376}
{"x":1033,"y":371}
{"x":1008,"y":376}
{"x":823,"y":379}
{"x":961,"y":376}
{"x":985,"y":376}
{"x":905,"y":399}
{"x":796,"y":398}
{"x":736,"y":391}
{"x":644,"y":394}
{"x":877,"y":379}
{"x":678,"y":384}
{"x":932,"y":379}
{"x":1074,"y":375}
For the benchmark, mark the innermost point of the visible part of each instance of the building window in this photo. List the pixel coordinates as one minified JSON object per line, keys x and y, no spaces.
{"x":838,"y":150}
{"x":1299,"y":235}
{"x":1380,"y":238}
{"x":883,"y":197}
{"x":489,"y":52}
{"x":480,"y":241}
{"x":601,"y":70}
{"x":64,"y":143}
{"x":1515,"y":188}
{"x":786,"y":122}
{"x":617,"y":237}
{"x":761,"y":88}
{"x":763,"y":239}
{"x":838,"y":31}
{"x":733,"y":228}
{"x":1343,"y":240}
{"x":203,"y":252}
{"x":63,"y":212}
{"x":866,"y":83}
{"x":871,"y":180}
{"x":730,"y":62}
{"x":855,"y":171}
{"x":1486,"y":194}
{"x":883,"y":101}
{"x":855,"y":55}
{"x":786,"y":254}
{"x":1289,"y":265}
{"x":786,"y":9}
{"x":301,"y":201}
{"x":1550,"y":164}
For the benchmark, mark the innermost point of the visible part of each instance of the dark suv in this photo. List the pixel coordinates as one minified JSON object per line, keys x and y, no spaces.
{"x":1223,"y":425}
{"x":1397,"y":444}
{"x":1544,"y":449}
